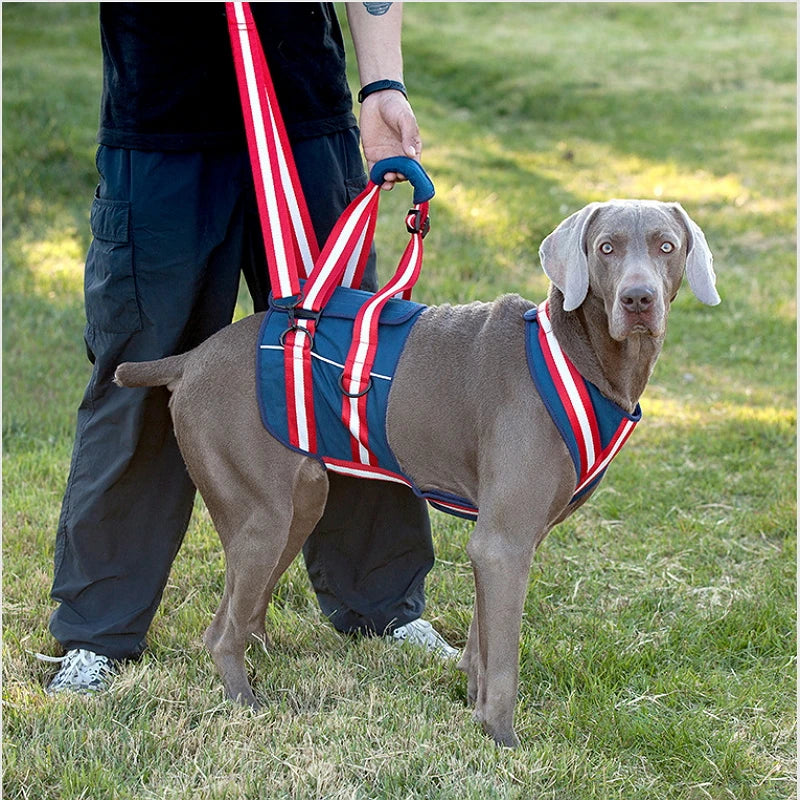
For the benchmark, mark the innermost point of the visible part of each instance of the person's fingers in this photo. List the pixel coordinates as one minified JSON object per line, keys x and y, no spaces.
{"x":409,"y":132}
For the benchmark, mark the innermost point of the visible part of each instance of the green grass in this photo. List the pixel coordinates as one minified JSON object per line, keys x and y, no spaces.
{"x":658,"y":649}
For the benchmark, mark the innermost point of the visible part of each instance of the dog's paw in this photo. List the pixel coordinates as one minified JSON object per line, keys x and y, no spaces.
{"x":502,"y":736}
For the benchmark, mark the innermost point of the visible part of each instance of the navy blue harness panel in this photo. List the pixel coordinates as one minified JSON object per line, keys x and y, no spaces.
{"x":331,"y":343}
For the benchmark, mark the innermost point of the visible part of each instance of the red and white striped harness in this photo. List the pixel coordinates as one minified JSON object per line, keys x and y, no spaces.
{"x":293,"y":254}
{"x":593,"y":427}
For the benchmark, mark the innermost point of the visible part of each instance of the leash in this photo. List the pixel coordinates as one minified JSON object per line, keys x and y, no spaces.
{"x":302,"y":276}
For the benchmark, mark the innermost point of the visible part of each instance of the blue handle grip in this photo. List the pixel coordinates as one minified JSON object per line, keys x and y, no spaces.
{"x":423,"y":185}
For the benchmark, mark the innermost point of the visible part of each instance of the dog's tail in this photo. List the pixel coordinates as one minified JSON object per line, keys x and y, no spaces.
{"x":164,"y":372}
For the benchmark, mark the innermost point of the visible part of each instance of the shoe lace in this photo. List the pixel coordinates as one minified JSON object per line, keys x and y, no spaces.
{"x":420,"y":629}
{"x":83,"y":665}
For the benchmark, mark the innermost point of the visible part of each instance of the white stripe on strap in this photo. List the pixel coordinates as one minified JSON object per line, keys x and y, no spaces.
{"x":287,"y":186}
{"x":254,"y":118}
{"x":569,"y":384}
{"x":298,"y":375}
{"x":317,"y":290}
{"x":287,"y":227}
{"x":373,"y":305}
{"x":624,"y":432}
{"x":348,"y":279}
{"x":359,"y":359}
{"x":352,"y":231}
{"x":346,"y":468}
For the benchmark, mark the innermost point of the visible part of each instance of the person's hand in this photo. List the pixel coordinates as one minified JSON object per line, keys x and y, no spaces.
{"x":389,"y":128}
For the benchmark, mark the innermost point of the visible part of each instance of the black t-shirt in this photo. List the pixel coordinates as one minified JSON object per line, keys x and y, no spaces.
{"x":169,"y":82}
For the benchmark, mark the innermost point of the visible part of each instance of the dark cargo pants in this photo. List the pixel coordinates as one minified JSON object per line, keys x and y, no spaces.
{"x":172,"y":233}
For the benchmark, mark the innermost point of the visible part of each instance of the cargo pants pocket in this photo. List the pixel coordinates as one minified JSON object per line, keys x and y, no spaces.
{"x":109,"y":281}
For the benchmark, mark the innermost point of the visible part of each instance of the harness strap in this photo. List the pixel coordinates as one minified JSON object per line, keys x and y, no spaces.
{"x":293,"y":253}
{"x":291,"y":246}
{"x":574,"y":396}
{"x":289,"y":239}
{"x":342,"y":261}
{"x":363,"y":349}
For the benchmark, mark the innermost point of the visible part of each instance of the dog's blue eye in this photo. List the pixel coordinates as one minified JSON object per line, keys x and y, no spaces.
{"x":606,"y":248}
{"x":667,"y":247}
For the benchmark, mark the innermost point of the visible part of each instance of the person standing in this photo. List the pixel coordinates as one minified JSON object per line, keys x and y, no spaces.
{"x":175,"y":224}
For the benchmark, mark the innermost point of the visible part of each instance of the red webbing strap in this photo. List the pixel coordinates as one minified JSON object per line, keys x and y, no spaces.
{"x":355,"y":379}
{"x":575,"y":398}
{"x":293,"y":253}
{"x":345,"y":254}
{"x":342,"y":260}
{"x":291,"y":247}
{"x":289,"y":238}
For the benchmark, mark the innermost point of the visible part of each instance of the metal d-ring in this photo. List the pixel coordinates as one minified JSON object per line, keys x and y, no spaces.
{"x":296,"y":327}
{"x":350,"y":394}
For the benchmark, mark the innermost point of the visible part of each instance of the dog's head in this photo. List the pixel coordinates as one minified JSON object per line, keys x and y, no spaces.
{"x":632,"y":254}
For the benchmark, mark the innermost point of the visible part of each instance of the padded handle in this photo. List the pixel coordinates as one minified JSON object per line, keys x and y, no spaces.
{"x":423,"y":185}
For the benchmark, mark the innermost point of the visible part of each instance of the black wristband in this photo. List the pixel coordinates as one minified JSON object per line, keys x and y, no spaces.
{"x":379,"y":86}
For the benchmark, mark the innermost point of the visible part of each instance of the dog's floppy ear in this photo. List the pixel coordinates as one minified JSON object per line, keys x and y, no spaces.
{"x":564,"y":259}
{"x":699,"y":261}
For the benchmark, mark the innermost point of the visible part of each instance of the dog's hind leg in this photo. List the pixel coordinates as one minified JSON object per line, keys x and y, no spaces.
{"x":249,"y":563}
{"x":261,"y":533}
{"x":311,"y":490}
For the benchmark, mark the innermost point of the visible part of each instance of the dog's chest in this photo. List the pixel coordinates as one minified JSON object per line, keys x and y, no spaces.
{"x":593,"y":427}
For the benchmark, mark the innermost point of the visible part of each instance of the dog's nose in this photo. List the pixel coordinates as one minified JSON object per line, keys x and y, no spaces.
{"x":637,"y":299}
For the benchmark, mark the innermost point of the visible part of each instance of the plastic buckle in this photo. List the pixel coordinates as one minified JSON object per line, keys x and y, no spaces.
{"x":413,"y":222}
{"x":295,"y":313}
{"x":291,"y":307}
{"x":285,"y":303}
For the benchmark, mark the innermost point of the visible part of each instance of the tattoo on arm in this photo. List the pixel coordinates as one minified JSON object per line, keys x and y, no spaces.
{"x":377,"y":9}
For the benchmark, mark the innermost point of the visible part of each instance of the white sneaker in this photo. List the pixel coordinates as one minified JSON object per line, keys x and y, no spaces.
{"x":420,"y":632}
{"x":81,"y":671}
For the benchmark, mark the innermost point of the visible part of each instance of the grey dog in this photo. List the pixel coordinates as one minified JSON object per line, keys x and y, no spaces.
{"x":462,"y":419}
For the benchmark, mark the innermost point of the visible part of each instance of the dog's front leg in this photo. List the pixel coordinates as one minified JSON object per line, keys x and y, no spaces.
{"x":500,"y":564}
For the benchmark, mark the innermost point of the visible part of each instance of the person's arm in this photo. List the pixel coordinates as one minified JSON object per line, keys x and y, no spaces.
{"x":388,"y":126}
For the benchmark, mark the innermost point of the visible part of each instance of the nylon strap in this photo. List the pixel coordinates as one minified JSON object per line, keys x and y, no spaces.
{"x":575,"y":398}
{"x":289,"y":238}
{"x":293,"y":254}
{"x":364,"y":346}
{"x":291,"y":246}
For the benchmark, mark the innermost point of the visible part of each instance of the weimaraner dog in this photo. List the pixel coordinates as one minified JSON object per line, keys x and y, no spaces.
{"x":614,"y":268}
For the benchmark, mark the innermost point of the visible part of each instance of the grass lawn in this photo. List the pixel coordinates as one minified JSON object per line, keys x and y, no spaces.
{"x":658,"y":651}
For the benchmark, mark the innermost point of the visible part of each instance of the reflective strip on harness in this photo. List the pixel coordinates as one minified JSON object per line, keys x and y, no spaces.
{"x":593,"y":427}
{"x":293,"y":255}
{"x":289,"y":238}
{"x":340,"y":256}
{"x":361,"y":357}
